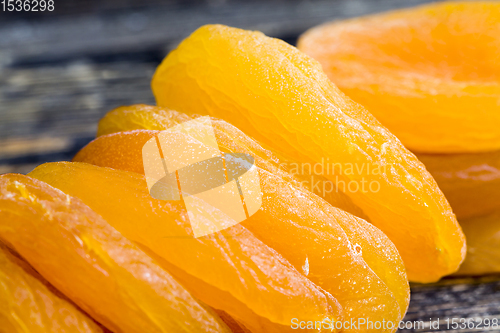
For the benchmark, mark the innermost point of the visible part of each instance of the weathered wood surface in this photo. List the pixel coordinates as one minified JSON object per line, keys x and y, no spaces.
{"x":59,"y":73}
{"x":154,"y":26}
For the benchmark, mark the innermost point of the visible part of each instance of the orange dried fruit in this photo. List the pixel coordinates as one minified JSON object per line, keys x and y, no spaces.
{"x":417,"y":71}
{"x":346,"y":256}
{"x":470,"y":182}
{"x":483,"y":245}
{"x":139,"y":116}
{"x":281,"y":97}
{"x":30,"y":305}
{"x":238,"y":268}
{"x":92,"y":264}
{"x":230,"y":139}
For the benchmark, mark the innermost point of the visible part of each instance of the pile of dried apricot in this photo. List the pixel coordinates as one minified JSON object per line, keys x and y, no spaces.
{"x":347,"y":215}
{"x":431,"y":75}
{"x":281,"y":97}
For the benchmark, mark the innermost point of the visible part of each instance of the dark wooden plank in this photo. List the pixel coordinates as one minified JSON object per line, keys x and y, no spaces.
{"x":48,"y":113}
{"x":163,"y":26}
{"x":68,"y":100}
{"x":475,"y":298}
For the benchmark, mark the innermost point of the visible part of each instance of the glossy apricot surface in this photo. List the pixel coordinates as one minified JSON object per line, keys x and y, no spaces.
{"x":81,"y":255}
{"x":344,"y":255}
{"x":29,"y":305}
{"x":237,"y":267}
{"x":281,"y":97}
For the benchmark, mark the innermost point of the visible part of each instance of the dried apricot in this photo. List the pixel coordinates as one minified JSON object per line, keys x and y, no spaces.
{"x":236,"y":267}
{"x":92,"y":264}
{"x":483,"y":245}
{"x":28,"y":305}
{"x":280,"y":96}
{"x":417,"y":71}
{"x":230,"y":139}
{"x":470,"y":182}
{"x":138,"y":116}
{"x":345,"y":255}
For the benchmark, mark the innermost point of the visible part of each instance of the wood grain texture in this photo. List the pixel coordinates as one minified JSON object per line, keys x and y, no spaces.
{"x":152,"y":26}
{"x":60,"y":73}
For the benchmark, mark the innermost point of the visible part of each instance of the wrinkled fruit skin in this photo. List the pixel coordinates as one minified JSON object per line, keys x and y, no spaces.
{"x":92,"y":264}
{"x":29,"y":305}
{"x":347,"y":272}
{"x":417,"y":71}
{"x":281,"y":97}
{"x":233,"y":264}
{"x":139,"y":116}
{"x":230,"y":139}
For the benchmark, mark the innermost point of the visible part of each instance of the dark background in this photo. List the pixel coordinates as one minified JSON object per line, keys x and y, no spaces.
{"x":61,"y":71}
